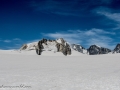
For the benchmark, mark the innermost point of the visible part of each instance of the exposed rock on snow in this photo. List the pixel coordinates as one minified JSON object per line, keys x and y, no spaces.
{"x":40,"y":47}
{"x":63,"y":46}
{"x":95,"y":49}
{"x":78,"y":48}
{"x":117,"y":49}
{"x":24,"y":47}
{"x":58,"y":45}
{"x":29,"y":46}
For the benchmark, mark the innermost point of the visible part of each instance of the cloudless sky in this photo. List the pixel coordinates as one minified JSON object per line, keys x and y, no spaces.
{"x":84,"y":22}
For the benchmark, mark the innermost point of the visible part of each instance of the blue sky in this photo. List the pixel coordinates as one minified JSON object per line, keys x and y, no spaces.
{"x":84,"y":22}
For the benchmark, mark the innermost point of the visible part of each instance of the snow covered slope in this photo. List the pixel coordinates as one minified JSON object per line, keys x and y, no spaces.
{"x":33,"y":53}
{"x":49,"y":48}
{"x":29,"y":46}
{"x":51,"y":45}
{"x":29,"y":71}
{"x":78,"y":48}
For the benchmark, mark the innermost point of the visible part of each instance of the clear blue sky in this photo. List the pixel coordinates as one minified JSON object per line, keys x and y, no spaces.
{"x":82,"y":22}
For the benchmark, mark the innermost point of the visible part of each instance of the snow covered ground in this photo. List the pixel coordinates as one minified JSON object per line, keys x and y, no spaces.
{"x":54,"y":71}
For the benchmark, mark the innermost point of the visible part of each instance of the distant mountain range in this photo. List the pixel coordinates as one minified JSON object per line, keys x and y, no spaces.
{"x":51,"y":46}
{"x":95,"y":49}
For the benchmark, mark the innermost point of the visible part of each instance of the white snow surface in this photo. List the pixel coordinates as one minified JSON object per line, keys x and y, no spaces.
{"x":51,"y":46}
{"x":54,"y":71}
{"x":31,"y":46}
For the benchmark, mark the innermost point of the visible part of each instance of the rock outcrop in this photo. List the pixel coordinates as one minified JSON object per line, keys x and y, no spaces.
{"x":40,"y":47}
{"x":95,"y":49}
{"x":58,"y":45}
{"x":117,"y":49}
{"x":78,"y":48}
{"x":63,"y":46}
{"x":24,"y":46}
{"x":29,"y":46}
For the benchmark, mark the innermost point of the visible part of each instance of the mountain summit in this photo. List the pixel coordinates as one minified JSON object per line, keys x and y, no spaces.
{"x":117,"y":49}
{"x":78,"y":48}
{"x":61,"y":45}
{"x":58,"y":45}
{"x":95,"y":49}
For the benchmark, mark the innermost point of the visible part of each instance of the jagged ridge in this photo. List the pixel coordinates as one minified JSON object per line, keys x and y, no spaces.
{"x":58,"y":45}
{"x":95,"y":49}
{"x":51,"y":46}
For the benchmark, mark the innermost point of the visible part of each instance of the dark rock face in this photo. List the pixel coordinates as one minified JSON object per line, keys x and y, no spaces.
{"x":117,"y":49}
{"x":66,"y":49}
{"x":94,"y":50}
{"x":105,"y":50}
{"x":78,"y":48}
{"x":63,"y":47}
{"x":40,"y":46}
